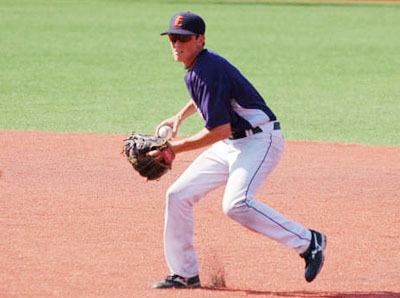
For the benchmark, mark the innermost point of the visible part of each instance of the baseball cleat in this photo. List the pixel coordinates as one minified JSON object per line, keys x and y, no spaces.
{"x":314,"y":255}
{"x":176,"y":281}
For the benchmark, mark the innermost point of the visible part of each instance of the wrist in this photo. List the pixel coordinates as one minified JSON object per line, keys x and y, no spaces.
{"x":179,"y":117}
{"x":176,"y":145}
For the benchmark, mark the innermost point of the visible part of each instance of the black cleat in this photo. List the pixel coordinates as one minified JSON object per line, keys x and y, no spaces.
{"x":176,"y":281}
{"x":314,"y":255}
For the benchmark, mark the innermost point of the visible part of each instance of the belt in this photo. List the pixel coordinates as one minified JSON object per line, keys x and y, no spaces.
{"x":242,"y":133}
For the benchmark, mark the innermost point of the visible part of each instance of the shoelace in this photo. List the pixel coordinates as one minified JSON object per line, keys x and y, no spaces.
{"x":177,"y":278}
{"x":317,"y":248}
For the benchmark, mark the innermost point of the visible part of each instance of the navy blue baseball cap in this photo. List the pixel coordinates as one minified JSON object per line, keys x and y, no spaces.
{"x":186,"y":23}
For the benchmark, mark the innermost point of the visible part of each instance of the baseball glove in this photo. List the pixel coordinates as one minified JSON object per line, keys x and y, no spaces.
{"x":136,"y":149}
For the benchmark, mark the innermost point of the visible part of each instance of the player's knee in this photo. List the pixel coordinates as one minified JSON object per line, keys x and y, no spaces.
{"x":233,"y":208}
{"x":172,"y":196}
{"x":176,"y":197}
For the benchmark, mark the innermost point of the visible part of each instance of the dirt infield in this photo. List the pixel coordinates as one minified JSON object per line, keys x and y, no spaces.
{"x":75,"y":221}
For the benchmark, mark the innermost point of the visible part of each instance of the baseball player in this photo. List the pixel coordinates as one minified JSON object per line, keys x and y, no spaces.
{"x":246,"y":145}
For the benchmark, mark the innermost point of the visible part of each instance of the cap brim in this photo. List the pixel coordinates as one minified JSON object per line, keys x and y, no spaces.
{"x":178,"y":31}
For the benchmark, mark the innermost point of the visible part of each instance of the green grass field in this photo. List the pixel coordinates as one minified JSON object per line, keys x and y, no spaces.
{"x":330,"y":72}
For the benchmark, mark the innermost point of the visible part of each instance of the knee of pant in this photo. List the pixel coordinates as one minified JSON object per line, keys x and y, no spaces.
{"x":233,"y":208}
{"x":172,"y":196}
{"x":175,"y":197}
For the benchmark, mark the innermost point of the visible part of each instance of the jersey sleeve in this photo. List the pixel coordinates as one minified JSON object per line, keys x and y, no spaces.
{"x":215,"y":100}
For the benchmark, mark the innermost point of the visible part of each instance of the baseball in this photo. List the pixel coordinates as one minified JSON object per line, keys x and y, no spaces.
{"x":165,"y":132}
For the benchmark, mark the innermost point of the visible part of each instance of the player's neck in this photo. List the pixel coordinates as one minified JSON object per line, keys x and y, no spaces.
{"x":191,"y":62}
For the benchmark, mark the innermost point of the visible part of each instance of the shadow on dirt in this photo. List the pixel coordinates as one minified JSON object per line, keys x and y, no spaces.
{"x":371,"y":294}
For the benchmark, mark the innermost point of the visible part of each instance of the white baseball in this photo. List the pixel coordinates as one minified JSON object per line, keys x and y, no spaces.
{"x":165,"y":132}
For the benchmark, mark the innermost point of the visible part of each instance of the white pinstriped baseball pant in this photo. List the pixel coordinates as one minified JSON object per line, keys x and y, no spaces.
{"x":243,"y":165}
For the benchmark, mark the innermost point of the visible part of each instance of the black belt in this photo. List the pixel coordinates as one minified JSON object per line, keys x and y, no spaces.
{"x":239,"y":134}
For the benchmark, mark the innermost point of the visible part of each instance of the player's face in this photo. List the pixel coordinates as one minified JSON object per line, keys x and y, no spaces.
{"x":185,"y":48}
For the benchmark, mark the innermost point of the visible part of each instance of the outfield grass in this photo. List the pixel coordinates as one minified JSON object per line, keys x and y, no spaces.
{"x":330,"y":72}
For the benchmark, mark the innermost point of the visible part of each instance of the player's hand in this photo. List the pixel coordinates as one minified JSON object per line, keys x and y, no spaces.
{"x":174,"y":122}
{"x":154,"y":153}
{"x":167,"y":154}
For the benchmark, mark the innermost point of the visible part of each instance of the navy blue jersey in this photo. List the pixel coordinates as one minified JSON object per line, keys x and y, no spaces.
{"x":223,"y":95}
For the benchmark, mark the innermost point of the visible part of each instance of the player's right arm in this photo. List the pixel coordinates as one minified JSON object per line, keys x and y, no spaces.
{"x":175,"y":121}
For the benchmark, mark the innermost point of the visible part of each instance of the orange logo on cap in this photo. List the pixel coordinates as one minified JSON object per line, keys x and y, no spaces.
{"x":178,"y":21}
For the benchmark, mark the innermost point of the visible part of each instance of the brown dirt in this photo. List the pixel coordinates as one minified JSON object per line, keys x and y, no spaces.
{"x":75,"y":220}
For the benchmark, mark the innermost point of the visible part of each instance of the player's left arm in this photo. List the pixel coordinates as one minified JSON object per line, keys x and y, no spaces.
{"x":203,"y":138}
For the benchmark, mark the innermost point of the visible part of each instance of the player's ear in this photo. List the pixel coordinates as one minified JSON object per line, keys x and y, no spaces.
{"x":201,"y":39}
